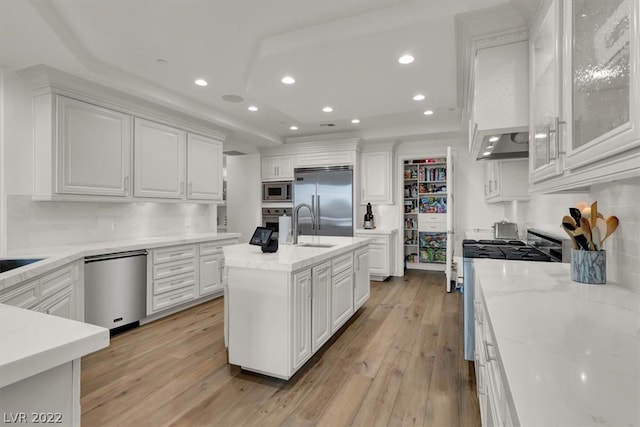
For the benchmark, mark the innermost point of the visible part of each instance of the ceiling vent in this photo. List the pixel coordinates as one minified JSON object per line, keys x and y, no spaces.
{"x":327,"y":124}
{"x":234,"y":153}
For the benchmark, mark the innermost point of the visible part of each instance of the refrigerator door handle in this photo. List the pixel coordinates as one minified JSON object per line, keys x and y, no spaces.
{"x":313,"y":210}
{"x":318,"y":213}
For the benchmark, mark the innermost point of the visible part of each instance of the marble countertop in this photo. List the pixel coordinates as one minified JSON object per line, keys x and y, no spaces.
{"x":290,"y":257}
{"x":32,"y":342}
{"x":570,"y":351}
{"x":376,"y":230}
{"x":57,"y":256}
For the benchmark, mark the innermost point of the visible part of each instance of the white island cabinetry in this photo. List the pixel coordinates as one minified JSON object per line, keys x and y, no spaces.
{"x":282,"y":307}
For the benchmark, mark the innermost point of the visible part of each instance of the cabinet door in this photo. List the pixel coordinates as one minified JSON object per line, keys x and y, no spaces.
{"x":94,"y":149}
{"x":204,"y":168}
{"x":62,"y":304}
{"x":159,"y":160}
{"x":376,"y":177}
{"x":301,"y":318}
{"x":361,"y":278}
{"x":321,"y":308}
{"x":341,"y":299}
{"x":602,"y":77}
{"x":211,"y":272}
{"x":379,"y":258}
{"x":546,"y":93}
{"x":277,"y":168}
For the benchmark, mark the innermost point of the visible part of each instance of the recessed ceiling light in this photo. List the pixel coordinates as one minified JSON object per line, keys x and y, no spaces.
{"x":489,"y":147}
{"x":418,"y":97}
{"x":288,"y":80}
{"x":201,"y":82}
{"x":540,"y":135}
{"x":406,"y":59}
{"x":494,"y":138}
{"x":252,"y":108}
{"x":327,"y":109}
{"x":355,"y":121}
{"x":428,"y":112}
{"x":486,"y":153}
{"x":293,"y":127}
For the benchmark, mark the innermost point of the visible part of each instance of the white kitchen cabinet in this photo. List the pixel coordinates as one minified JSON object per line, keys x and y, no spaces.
{"x":361,"y":285}
{"x":341,"y":290}
{"x":376,"y":180}
{"x":56,"y":293}
{"x":586,"y":102}
{"x":91,"y":150}
{"x":159,"y":154}
{"x":171,"y":277}
{"x":277,"y":168}
{"x":321,"y":305}
{"x":545,"y":66}
{"x":204,"y":168}
{"x":301,"y":317}
{"x":506,"y":180}
{"x":211,"y":273}
{"x":382,"y":252}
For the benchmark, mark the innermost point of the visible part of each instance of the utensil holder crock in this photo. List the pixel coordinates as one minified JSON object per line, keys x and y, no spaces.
{"x":589,"y":267}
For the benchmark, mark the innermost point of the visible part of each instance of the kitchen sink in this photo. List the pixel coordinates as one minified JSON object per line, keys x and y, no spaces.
{"x":10,"y":264}
{"x":316,"y":245}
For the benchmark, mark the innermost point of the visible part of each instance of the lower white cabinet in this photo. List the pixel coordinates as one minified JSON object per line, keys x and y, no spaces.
{"x":382,"y":252}
{"x":321,"y":305}
{"x":301,"y":324}
{"x":361,"y":286}
{"x":491,"y":384}
{"x":341,"y":290}
{"x":56,"y":293}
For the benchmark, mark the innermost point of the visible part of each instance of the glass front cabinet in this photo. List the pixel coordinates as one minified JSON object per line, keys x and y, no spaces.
{"x":585,"y":103}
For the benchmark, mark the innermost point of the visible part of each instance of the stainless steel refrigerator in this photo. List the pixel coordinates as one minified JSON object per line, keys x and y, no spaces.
{"x":329,"y":192}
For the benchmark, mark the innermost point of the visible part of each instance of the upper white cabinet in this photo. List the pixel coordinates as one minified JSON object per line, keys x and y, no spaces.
{"x":204,"y":168}
{"x":159,"y":160}
{"x":585,"y":93}
{"x":376,"y":177}
{"x":506,"y":180}
{"x":546,"y":86}
{"x":90,"y":152}
{"x":277,"y":168}
{"x":500,"y":96}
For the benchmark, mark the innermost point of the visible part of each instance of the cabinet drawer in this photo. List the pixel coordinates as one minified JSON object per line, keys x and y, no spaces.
{"x":173,"y":253}
{"x":375,"y":239}
{"x":432,"y":217}
{"x":214,"y":247}
{"x":432,"y":226}
{"x":169,"y":299}
{"x":57,"y":280}
{"x":24,"y":296}
{"x":172,"y":268}
{"x":341,"y":263}
{"x":173,"y":283}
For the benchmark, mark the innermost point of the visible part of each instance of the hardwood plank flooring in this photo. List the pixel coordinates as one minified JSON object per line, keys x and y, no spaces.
{"x":398,"y":361}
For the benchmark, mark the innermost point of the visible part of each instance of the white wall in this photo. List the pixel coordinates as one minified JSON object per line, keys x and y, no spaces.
{"x":30,"y":224}
{"x":244,"y":195}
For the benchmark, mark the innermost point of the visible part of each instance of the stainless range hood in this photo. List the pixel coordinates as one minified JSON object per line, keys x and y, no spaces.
{"x":512,"y":145}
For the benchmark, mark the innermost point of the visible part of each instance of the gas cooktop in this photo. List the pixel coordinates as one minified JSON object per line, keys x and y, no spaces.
{"x":502,"y":249}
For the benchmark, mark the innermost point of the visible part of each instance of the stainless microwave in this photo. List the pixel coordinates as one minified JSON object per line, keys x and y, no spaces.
{"x":277,"y":191}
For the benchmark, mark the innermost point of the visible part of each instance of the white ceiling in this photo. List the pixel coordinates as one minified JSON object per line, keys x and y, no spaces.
{"x":342,"y":53}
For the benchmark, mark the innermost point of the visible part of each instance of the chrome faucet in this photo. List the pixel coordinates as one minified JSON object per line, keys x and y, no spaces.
{"x":295,"y":220}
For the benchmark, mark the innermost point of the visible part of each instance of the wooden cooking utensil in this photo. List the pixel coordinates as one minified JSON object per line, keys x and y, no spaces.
{"x":586,"y":230}
{"x":612,"y":224}
{"x":601,"y":226}
{"x":581,"y":205}
{"x":594,"y":214}
{"x":568,"y":220}
{"x":575,"y":214}
{"x":569,"y":228}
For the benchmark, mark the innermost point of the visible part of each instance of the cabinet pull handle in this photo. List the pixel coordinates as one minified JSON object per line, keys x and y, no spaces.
{"x":556,"y":140}
{"x":190,"y":188}
{"x":182,"y":187}
{"x":175,"y":298}
{"x":176,"y":268}
{"x":126,"y":183}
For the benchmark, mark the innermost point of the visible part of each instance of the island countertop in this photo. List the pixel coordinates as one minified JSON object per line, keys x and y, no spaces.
{"x":291,"y":257}
{"x":570,"y":351}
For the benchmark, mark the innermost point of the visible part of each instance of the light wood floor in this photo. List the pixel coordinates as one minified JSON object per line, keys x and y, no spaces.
{"x":398,"y":361}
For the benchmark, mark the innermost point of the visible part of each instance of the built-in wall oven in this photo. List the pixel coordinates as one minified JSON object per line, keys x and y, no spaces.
{"x":270,"y":217}
{"x":276,"y":191}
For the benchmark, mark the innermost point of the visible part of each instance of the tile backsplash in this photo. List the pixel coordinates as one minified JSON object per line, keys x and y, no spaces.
{"x":42,"y":224}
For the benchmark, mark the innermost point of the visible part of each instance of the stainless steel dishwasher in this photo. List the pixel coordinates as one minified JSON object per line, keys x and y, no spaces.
{"x":115,"y":289}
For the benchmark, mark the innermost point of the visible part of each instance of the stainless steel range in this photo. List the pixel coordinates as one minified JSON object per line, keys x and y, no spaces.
{"x":539,"y":247}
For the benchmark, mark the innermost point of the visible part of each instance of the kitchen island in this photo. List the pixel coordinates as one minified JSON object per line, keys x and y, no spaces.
{"x":280,"y":308}
{"x":550,"y":351}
